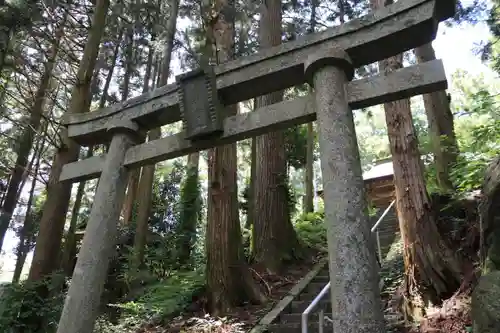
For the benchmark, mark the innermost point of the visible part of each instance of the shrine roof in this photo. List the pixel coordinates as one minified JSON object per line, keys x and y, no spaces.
{"x":379,"y":171}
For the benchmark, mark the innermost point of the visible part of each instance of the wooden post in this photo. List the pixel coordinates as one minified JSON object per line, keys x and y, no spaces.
{"x":82,"y":303}
{"x":356,"y":304}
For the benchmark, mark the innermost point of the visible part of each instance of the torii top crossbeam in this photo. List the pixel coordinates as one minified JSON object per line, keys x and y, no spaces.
{"x":380,"y":34}
{"x":383,"y":33}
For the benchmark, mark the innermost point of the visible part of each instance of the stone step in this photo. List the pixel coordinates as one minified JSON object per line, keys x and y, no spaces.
{"x":295,"y":328}
{"x":321,"y":278}
{"x":299,"y":306}
{"x":308,"y":296}
{"x":297,"y":317}
{"x":315,"y":287}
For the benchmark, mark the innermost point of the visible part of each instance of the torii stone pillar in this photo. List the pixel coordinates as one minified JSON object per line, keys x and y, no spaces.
{"x":99,"y":242}
{"x":355,"y":294}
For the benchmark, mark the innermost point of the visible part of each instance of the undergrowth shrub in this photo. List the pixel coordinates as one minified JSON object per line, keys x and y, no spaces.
{"x":157,"y":302}
{"x":21,"y":307}
{"x":311,"y":230}
{"x":246,"y":238}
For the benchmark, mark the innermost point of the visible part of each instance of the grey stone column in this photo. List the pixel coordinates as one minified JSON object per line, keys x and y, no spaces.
{"x":356,"y":303}
{"x":87,"y":284}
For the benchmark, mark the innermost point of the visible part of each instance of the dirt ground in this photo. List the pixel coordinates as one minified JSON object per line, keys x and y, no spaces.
{"x":242,"y":319}
{"x":452,"y":317}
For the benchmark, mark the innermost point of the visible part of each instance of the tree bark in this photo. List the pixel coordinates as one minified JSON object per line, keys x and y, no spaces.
{"x":147,"y":176}
{"x":109,"y":77}
{"x":309,"y":171}
{"x":432,"y":269}
{"x":274,"y":239}
{"x":28,"y":136}
{"x":133,"y":183}
{"x":309,"y":167}
{"x":251,"y":191}
{"x":441,"y":129}
{"x":144,"y":192}
{"x":189,"y":212}
{"x":70,"y":252}
{"x":229,"y":279}
{"x":5,"y":41}
{"x":489,"y":209}
{"x":26,"y":236}
{"x":58,"y":193}
{"x":129,"y":61}
{"x":484,"y":307}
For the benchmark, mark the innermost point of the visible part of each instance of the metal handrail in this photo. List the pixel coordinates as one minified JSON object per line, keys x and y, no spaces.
{"x":375,"y":226}
{"x":326,"y":289}
{"x":312,"y":306}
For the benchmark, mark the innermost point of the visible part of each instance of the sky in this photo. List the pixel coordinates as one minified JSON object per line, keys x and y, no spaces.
{"x":453,"y":45}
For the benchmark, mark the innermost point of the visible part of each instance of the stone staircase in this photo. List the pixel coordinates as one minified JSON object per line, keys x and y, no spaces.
{"x":289,"y":320}
{"x":286,"y":316}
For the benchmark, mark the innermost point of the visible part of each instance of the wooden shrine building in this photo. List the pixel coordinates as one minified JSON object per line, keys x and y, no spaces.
{"x":379,"y":185}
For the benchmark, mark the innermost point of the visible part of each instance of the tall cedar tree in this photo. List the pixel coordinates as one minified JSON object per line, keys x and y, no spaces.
{"x":309,"y":167}
{"x":229,"y":279}
{"x":432,"y":269}
{"x":48,"y":242}
{"x":274,"y":238}
{"x":147,"y":175}
{"x":441,"y":129}
{"x":70,"y":251}
{"x":28,"y":136}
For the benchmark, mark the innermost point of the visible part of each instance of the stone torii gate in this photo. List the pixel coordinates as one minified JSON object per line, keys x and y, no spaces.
{"x":327,"y":61}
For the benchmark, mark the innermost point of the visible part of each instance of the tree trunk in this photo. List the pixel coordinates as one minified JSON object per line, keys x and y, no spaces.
{"x":251,"y":189}
{"x":485,"y":311}
{"x":133,"y":182}
{"x":489,"y":209}
{"x":26,"y":236}
{"x":432,"y":270}
{"x":147,"y":176}
{"x":309,"y":171}
{"x":144,"y":192}
{"x":441,"y":130}
{"x":274,"y":239}
{"x":189,"y":212}
{"x":229,"y":279}
{"x":28,"y":136}
{"x":109,"y":77}
{"x":70,"y":252}
{"x":129,"y":61}
{"x":309,"y":167}
{"x":58,"y":193}
{"x":5,"y":37}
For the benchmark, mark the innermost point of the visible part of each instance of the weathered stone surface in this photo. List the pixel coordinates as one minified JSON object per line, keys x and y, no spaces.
{"x":361,"y":93}
{"x":486,"y":296}
{"x":378,"y":35}
{"x":199,"y":105}
{"x":489,"y":209}
{"x":355,"y":293}
{"x":84,"y":295}
{"x":486,"y":304}
{"x":328,"y":57}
